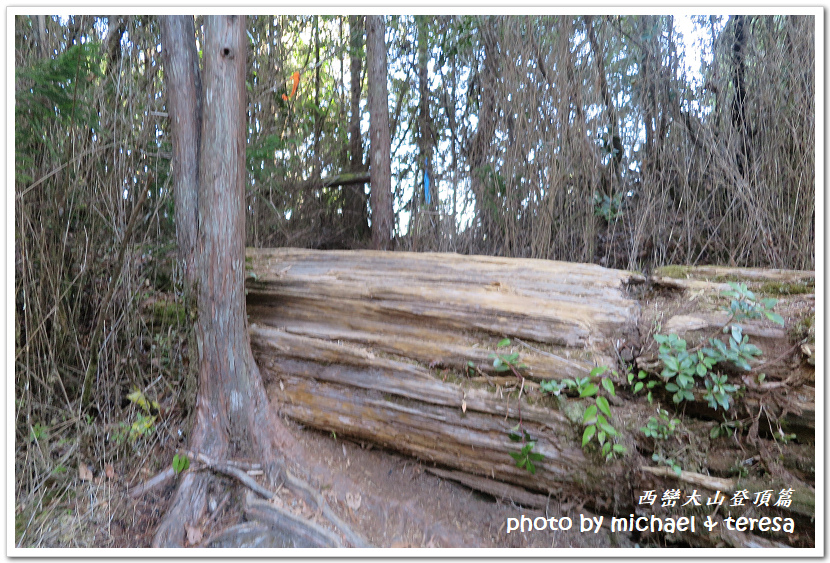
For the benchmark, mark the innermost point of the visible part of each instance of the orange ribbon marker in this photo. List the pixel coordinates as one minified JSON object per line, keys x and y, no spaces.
{"x":296,"y":77}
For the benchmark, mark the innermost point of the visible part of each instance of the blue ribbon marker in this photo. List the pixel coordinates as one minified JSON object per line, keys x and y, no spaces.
{"x":426,"y":181}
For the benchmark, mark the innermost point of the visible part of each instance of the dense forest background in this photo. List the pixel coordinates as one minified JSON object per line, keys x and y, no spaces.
{"x":578,"y":138}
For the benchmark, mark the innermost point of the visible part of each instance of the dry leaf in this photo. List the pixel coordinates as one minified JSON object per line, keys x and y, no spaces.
{"x":109,"y":471}
{"x":463,"y":406}
{"x":84,"y":472}
{"x":194,"y":534}
{"x":353,"y":501}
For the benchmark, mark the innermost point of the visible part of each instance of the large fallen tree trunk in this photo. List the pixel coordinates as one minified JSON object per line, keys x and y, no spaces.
{"x":396,"y":349}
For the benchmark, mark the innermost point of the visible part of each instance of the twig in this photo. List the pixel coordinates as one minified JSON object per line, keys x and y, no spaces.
{"x":92,"y":367}
{"x":231,"y":471}
{"x":42,"y":179}
{"x":315,"y":498}
{"x":778,"y":359}
{"x":150,"y":484}
{"x":712,"y":483}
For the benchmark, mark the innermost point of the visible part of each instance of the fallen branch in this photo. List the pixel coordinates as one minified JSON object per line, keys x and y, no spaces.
{"x":711,"y":483}
{"x":505,"y":491}
{"x":150,"y":484}
{"x":232,"y":471}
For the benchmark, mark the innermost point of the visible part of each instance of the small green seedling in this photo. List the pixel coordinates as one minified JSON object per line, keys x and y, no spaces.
{"x":660,"y":428}
{"x":506,"y":362}
{"x":180,"y":463}
{"x":639,"y":382}
{"x":527,"y":456}
{"x":668,"y":461}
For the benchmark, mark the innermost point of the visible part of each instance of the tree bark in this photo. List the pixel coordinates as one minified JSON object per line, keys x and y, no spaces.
{"x":478,"y":148}
{"x":232,"y":410}
{"x":383,"y":218}
{"x":354,"y":196}
{"x":740,"y":119}
{"x":184,"y":106}
{"x":425,"y":136}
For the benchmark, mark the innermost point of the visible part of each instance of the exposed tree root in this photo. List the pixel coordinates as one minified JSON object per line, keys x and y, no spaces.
{"x":157,"y":480}
{"x":302,"y":532}
{"x":187,"y":508}
{"x":189,"y":503}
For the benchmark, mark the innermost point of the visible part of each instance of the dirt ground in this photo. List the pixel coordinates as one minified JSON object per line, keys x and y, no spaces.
{"x":401,"y":504}
{"x":390,"y":500}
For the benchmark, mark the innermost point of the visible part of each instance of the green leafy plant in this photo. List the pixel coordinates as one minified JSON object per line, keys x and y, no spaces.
{"x":505,"y":362}
{"x":727,"y":428}
{"x":145,"y":419}
{"x":180,"y":463}
{"x":526,"y":457}
{"x":640,"y":382}
{"x":669,"y":462}
{"x":608,"y":207}
{"x":37,"y":432}
{"x":143,"y":425}
{"x":660,"y":427}
{"x":745,"y":305}
{"x":597,"y":415}
{"x":553,"y":387}
{"x":719,"y":391}
{"x":682,"y":367}
{"x":510,"y":363}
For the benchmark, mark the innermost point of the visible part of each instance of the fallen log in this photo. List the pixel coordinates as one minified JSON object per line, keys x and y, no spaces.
{"x":397,"y":349}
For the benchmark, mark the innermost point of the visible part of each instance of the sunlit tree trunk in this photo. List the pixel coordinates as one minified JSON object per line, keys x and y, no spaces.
{"x":184,"y":106}
{"x":233,"y":417}
{"x":355,"y":198}
{"x":381,"y":195}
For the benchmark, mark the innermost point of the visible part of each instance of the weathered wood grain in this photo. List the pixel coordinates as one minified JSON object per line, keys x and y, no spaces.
{"x":377,"y":346}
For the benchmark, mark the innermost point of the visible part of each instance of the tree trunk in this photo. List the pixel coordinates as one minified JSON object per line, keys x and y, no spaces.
{"x":354,"y":196}
{"x":740,"y":119}
{"x":478,"y":149}
{"x":383,"y":218}
{"x":396,"y":349}
{"x":184,"y":106}
{"x":232,"y":409}
{"x":425,"y":139}
{"x":612,"y":142}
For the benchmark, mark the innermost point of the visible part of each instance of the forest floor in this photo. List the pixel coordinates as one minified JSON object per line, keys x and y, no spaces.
{"x":392,"y":501}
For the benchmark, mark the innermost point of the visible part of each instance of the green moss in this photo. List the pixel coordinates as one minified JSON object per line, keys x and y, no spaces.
{"x":573,"y":409}
{"x":805,"y":328}
{"x":168,"y":313}
{"x":673,"y":271}
{"x":788,"y":288}
{"x":727,"y":279}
